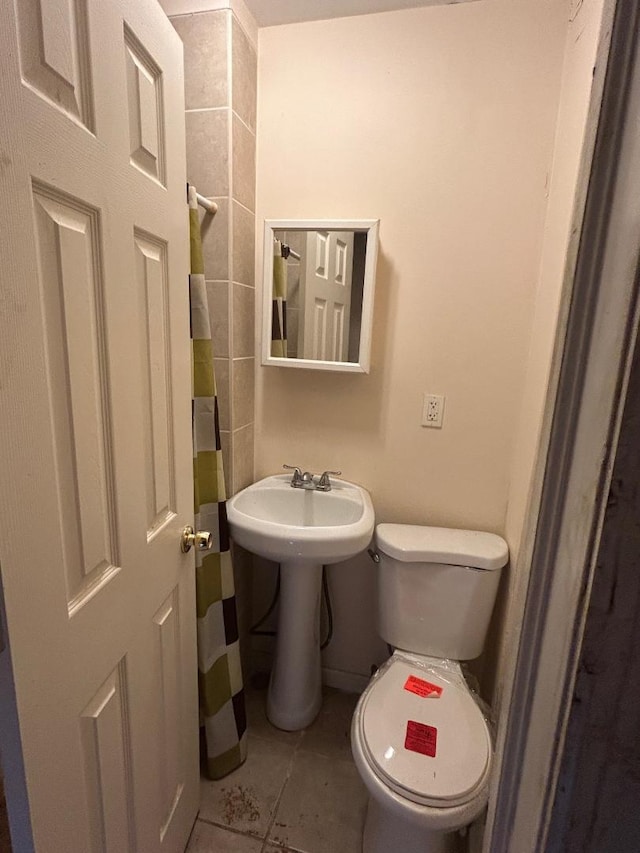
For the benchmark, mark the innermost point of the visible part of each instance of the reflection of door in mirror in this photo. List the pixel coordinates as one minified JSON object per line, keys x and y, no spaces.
{"x":321,"y":304}
{"x":325,"y":295}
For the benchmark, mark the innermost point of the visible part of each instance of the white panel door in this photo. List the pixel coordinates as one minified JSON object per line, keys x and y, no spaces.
{"x":95,"y":444}
{"x":326,"y":277}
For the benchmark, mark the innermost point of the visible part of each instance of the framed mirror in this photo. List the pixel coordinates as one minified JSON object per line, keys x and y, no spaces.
{"x":319,"y":278}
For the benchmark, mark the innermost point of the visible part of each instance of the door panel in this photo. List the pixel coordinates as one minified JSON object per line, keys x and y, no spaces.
{"x":152,"y":284}
{"x":71,"y":292}
{"x":146,"y":117}
{"x":54,"y":55}
{"x":95,"y":437}
{"x":325,"y":286}
{"x":167,"y":621}
{"x":105,"y":738}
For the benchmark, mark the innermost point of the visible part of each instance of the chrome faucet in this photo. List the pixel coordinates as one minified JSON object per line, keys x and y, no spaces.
{"x":324,"y":483}
{"x":306,"y":481}
{"x":300,"y":480}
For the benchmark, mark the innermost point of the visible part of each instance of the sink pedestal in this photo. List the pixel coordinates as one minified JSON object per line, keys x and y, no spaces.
{"x":302,"y":529}
{"x":295,"y":688}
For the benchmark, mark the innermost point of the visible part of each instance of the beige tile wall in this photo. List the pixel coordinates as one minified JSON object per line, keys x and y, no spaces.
{"x":220,"y":88}
{"x":220,"y":92}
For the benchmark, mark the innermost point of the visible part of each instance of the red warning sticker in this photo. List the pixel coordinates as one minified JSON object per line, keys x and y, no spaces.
{"x":421,"y":738}
{"x":422,"y":688}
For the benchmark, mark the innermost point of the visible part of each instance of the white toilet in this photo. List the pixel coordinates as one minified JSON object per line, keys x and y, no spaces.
{"x":419,"y":738}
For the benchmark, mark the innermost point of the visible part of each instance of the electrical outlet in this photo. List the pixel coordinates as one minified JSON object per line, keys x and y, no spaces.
{"x":432,"y":410}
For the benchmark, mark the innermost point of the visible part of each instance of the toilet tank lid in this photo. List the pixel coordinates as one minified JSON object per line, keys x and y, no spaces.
{"x":417,"y":543}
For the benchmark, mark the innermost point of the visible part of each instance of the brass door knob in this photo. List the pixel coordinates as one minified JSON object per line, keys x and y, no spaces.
{"x":202,"y":540}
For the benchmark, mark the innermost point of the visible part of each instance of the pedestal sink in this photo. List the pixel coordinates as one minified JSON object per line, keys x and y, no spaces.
{"x":302,"y":529}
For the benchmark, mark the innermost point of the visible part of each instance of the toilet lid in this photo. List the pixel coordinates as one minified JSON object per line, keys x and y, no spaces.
{"x":425,"y":736}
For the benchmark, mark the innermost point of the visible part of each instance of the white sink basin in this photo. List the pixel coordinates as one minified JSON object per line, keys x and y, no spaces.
{"x":280,"y":523}
{"x":302,"y":530}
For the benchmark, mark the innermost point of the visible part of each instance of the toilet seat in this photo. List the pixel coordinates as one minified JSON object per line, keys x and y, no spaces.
{"x":423,"y":734}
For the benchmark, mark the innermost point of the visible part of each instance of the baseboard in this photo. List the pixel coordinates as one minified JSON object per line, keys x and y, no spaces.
{"x":349,"y":682}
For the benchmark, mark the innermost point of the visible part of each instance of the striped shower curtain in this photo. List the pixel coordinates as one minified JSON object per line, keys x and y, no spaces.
{"x":222,"y":706}
{"x":279,"y":305}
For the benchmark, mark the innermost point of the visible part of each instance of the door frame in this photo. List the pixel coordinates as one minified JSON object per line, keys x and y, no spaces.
{"x":596,"y":337}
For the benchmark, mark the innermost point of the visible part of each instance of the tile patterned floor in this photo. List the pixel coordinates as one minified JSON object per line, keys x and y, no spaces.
{"x":298,"y":792}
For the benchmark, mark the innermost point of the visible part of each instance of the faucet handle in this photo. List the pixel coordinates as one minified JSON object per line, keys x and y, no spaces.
{"x":324,"y":483}
{"x":294,"y":468}
{"x":297,"y":474}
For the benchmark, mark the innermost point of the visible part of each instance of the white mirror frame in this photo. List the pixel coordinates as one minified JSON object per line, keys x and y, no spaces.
{"x":370,"y":226}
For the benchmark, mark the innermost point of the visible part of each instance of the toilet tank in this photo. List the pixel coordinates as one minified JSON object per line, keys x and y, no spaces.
{"x":437,"y":587}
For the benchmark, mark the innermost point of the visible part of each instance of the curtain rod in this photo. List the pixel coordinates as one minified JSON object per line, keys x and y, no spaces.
{"x":209,"y":206}
{"x":287,"y":250}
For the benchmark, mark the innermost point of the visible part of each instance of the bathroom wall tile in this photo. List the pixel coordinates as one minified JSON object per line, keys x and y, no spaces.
{"x":330,"y":732}
{"x":243,"y":391}
{"x":293,"y":284}
{"x":244,"y":244}
{"x":221,"y":367}
{"x":242,"y":458}
{"x":244,"y":75}
{"x":244,"y":301}
{"x":204,"y":36}
{"x":208,"y":151}
{"x":207,"y":838}
{"x":215,"y":240}
{"x":245,"y":799}
{"x":218,"y":298}
{"x":244,"y":164}
{"x":296,"y":240}
{"x":322,"y":807}
{"x":225,"y":441}
{"x":293,"y":320}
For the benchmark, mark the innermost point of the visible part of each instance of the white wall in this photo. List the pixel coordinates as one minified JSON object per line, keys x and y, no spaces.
{"x":575,"y":136}
{"x":439,"y":121}
{"x":580,"y":57}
